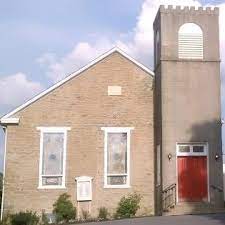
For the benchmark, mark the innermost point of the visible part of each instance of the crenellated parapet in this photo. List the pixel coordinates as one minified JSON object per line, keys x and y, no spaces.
{"x":189,"y":9}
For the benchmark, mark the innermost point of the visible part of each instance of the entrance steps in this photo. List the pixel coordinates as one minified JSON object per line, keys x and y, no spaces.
{"x":189,"y":208}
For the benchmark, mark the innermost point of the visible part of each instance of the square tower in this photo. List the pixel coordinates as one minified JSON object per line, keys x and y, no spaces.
{"x":187,"y":108}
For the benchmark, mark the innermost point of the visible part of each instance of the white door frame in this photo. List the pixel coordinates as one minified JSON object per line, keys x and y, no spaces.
{"x":191,"y":153}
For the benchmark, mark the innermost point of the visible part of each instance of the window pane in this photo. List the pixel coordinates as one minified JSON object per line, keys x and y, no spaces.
{"x":117,"y":153}
{"x":116,"y":180}
{"x":53,"y":153}
{"x":184,"y":148}
{"x":51,"y":180}
{"x":197,"y":148}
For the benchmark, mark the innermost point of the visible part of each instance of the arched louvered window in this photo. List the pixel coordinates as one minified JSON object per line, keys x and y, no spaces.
{"x":190,"y":41}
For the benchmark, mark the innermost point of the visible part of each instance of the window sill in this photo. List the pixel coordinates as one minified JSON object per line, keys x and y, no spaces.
{"x":117,"y":186}
{"x":84,"y":200}
{"x":51,"y":187}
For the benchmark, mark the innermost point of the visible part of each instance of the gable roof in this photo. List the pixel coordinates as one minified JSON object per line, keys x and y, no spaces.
{"x":5,"y":118}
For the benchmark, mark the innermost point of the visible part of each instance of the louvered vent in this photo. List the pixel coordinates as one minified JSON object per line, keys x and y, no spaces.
{"x":190,"y":41}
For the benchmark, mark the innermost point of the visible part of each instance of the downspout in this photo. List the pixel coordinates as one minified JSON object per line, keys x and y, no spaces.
{"x":3,"y":181}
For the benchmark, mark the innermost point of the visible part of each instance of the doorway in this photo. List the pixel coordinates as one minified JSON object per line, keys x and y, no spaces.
{"x":192,"y":172}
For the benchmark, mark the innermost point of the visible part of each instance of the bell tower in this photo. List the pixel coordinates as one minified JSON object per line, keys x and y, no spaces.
{"x":188,"y":106}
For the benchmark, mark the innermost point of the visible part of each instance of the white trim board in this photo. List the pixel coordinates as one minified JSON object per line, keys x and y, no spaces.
{"x":9,"y":120}
{"x":101,"y":57}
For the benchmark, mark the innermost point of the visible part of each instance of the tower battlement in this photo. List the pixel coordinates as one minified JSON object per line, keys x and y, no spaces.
{"x":189,"y":9}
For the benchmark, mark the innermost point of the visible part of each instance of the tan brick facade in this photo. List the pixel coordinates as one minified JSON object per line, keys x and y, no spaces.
{"x":83,"y":105}
{"x":184,"y":108}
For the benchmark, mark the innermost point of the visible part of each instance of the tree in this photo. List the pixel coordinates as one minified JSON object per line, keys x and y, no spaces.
{"x":64,"y":209}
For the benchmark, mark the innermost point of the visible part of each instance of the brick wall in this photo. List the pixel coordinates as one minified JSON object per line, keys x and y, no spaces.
{"x":84,"y":105}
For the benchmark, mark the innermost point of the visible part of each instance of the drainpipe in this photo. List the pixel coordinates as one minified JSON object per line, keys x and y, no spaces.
{"x":3,"y":181}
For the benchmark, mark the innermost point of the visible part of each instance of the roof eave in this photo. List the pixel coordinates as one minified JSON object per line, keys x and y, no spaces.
{"x":101,"y":57}
{"x":8,"y":121}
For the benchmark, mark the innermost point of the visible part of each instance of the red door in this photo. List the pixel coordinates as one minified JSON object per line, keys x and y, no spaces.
{"x":192,"y":178}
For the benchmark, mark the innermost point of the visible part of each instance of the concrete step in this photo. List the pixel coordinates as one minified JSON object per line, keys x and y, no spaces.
{"x":190,"y":208}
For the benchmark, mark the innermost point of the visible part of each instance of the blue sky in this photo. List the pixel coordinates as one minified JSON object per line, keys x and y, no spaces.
{"x":43,"y":41}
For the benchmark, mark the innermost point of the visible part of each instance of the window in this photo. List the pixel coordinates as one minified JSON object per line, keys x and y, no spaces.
{"x":194,"y":149}
{"x":117,"y":157}
{"x":190,"y":41}
{"x":84,"y":188}
{"x":52,"y":157}
{"x":184,"y":148}
{"x":198,"y":148}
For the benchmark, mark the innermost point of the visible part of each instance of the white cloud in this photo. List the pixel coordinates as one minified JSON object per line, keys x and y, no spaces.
{"x":140,"y":46}
{"x":82,"y":53}
{"x":16,"y":88}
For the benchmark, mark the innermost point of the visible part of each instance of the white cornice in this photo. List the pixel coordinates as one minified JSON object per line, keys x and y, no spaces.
{"x":9,"y":120}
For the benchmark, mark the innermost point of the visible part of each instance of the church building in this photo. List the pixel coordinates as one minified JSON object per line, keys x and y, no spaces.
{"x":116,"y":127}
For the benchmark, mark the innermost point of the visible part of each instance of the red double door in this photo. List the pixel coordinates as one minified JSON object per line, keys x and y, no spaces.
{"x":192,"y":178}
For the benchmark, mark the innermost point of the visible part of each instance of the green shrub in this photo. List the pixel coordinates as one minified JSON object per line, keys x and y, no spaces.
{"x":44,"y":219}
{"x":63,"y":209}
{"x":6,"y":220}
{"x":24,"y":218}
{"x":103,"y":213}
{"x":128,"y":206}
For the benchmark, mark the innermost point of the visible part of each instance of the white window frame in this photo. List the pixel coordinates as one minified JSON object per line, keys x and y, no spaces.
{"x":191,"y":153}
{"x":52,"y":130}
{"x":80,"y":180}
{"x":194,"y":35}
{"x":107,"y":130}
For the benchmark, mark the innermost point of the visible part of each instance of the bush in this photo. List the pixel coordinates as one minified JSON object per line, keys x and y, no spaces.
{"x":6,"y":220}
{"x":24,"y":218}
{"x":128,"y":206}
{"x":103,"y":213}
{"x":44,"y":219}
{"x":63,"y":209}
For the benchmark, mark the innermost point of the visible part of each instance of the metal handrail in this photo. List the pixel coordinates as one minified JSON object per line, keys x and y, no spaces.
{"x":169,"y":197}
{"x":169,"y":187}
{"x":216,"y":188}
